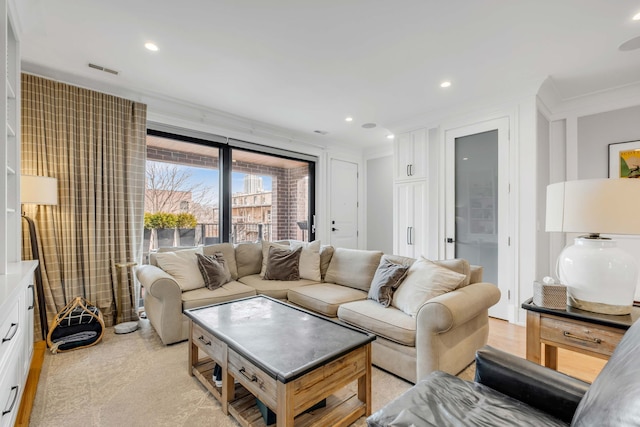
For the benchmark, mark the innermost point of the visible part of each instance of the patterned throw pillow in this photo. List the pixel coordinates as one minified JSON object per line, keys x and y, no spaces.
{"x":386,"y":280}
{"x":283,"y":264}
{"x":214,"y":270}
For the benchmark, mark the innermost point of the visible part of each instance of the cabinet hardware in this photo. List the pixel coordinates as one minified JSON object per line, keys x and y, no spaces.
{"x":33,"y":297}
{"x":7,"y":337}
{"x":450,"y":240}
{"x":251,"y":378}
{"x":13,"y":402}
{"x":334,"y":229}
{"x":203,"y":340}
{"x":576,"y":337}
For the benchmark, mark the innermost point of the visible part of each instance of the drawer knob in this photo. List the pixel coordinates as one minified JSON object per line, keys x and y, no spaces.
{"x":576,"y":337}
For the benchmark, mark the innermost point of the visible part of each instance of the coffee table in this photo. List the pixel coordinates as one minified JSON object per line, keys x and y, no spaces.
{"x":288,"y":358}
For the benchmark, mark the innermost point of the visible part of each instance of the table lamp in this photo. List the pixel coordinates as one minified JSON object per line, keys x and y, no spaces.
{"x":600,"y":277}
{"x":38,"y":190}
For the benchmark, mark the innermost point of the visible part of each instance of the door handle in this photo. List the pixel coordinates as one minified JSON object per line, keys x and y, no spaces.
{"x":450,"y":240}
{"x":334,"y":229}
{"x":409,"y":235}
{"x":33,"y":297}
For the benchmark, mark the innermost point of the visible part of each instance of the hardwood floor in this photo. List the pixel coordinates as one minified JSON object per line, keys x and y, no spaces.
{"x":502,"y":335}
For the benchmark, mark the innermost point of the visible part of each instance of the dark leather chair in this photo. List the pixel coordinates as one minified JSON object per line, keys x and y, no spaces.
{"x":511,"y":391}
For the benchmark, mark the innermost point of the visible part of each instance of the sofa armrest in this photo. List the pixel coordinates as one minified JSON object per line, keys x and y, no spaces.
{"x":546,"y":389}
{"x":157,"y":282}
{"x":455,"y":308}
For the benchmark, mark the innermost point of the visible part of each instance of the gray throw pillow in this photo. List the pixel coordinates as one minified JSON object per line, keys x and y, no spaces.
{"x":386,"y":280}
{"x":283,"y":264}
{"x":214,"y":270}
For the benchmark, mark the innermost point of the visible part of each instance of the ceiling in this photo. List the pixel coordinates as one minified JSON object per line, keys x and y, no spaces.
{"x":306,"y":65}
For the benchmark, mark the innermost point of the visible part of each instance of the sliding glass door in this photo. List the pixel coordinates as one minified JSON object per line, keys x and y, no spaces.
{"x":201,"y":191}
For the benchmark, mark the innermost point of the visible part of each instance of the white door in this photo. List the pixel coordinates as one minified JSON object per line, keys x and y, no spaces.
{"x":343,"y":196}
{"x":477,"y":203}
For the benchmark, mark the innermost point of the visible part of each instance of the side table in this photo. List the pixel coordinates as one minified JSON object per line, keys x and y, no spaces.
{"x":573,"y":329}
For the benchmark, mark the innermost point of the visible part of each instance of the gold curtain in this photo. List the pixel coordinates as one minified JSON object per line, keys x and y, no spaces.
{"x":94,"y":144}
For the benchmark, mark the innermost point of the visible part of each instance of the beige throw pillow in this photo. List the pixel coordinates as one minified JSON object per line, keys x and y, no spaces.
{"x":214,"y":270}
{"x":425,"y":280}
{"x":183,"y":267}
{"x":309,"y":259}
{"x":283,"y":264}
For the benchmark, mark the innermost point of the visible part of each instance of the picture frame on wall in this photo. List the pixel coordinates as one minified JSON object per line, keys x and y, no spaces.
{"x":624,"y":159}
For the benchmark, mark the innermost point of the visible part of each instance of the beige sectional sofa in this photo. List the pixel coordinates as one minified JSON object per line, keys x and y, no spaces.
{"x":442,"y":333}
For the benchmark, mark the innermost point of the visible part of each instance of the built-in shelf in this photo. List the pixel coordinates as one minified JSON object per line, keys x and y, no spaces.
{"x":10,"y":210}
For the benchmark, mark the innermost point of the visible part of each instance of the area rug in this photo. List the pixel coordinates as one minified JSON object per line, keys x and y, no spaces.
{"x":135,"y":380}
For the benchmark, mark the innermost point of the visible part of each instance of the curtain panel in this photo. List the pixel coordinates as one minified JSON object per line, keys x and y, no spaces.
{"x":94,"y":144}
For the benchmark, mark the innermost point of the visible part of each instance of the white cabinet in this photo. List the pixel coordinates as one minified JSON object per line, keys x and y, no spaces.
{"x":410,"y":219}
{"x":10,"y":220}
{"x":410,"y":155}
{"x":16,"y":336}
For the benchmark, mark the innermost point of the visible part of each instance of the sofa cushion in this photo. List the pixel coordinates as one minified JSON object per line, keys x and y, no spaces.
{"x":273,"y":288}
{"x":425,"y":280}
{"x":283,"y":264}
{"x":227,"y":292}
{"x":309,"y":259}
{"x":182,"y":265}
{"x":248,"y":258}
{"x":458,"y":265}
{"x":229,"y":253}
{"x":265,"y":246}
{"x":324,"y":298}
{"x":326,"y":253}
{"x":386,"y":280}
{"x":353,"y":267}
{"x":214,"y":270}
{"x":389,"y":323}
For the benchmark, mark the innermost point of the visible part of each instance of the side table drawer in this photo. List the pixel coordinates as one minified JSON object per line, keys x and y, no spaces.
{"x":253,"y":379}
{"x":211,"y":345}
{"x":567,"y":333}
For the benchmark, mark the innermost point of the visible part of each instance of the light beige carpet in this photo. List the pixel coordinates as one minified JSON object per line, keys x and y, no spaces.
{"x":134,"y":380}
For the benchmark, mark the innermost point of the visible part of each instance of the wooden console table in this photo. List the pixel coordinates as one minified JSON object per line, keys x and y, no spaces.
{"x":573,"y":329}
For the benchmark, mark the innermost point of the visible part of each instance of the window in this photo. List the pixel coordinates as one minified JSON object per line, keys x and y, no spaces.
{"x":234,"y":194}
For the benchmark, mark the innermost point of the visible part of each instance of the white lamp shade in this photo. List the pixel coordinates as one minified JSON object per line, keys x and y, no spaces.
{"x":39,"y":190}
{"x":608,"y":206}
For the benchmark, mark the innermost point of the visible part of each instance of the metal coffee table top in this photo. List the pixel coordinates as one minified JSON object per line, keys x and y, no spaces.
{"x":284,"y":341}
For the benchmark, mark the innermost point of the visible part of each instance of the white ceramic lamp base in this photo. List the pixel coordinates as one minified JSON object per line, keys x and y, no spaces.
{"x":600,"y":277}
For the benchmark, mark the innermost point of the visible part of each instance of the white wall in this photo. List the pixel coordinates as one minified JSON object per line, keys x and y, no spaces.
{"x":379,"y":203}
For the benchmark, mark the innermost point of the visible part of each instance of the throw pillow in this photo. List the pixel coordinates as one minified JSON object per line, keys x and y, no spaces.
{"x":425,"y":280}
{"x":386,"y":280}
{"x":309,"y":259}
{"x":214,"y":270}
{"x":282,"y":264}
{"x":183,"y":267}
{"x":265,"y":253}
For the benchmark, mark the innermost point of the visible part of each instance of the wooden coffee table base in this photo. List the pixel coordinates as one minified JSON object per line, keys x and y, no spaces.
{"x":288,"y":400}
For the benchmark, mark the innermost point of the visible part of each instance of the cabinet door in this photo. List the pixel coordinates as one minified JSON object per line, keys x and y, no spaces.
{"x":411,"y":155}
{"x":410,"y":237}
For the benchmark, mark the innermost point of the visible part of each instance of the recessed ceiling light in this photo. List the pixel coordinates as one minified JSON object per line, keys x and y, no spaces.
{"x":348,"y":119}
{"x":445,"y":84}
{"x":636,"y":17}
{"x":391,"y":136}
{"x":151,"y":46}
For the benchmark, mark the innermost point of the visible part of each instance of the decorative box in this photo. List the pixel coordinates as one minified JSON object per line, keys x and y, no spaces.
{"x":550,"y":295}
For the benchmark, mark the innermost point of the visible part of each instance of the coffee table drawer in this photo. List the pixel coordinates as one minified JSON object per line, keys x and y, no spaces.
{"x":598,"y":339}
{"x":253,"y":378}
{"x":211,"y":345}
